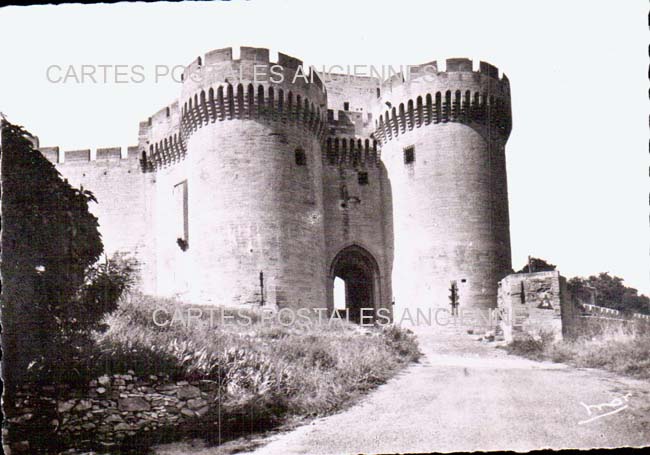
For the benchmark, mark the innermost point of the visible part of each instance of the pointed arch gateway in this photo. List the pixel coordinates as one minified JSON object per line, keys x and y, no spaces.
{"x":360,"y":272}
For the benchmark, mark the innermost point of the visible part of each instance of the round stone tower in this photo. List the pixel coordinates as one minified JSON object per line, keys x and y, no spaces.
{"x":252,"y":130}
{"x":443,"y":136}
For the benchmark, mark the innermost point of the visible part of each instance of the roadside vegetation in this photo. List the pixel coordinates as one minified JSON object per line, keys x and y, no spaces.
{"x":617,"y":348}
{"x":280,"y":367}
{"x":621,"y":346}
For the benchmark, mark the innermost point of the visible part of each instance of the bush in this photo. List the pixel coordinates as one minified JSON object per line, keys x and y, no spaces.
{"x":526,"y":346}
{"x":105,"y":283}
{"x":73,"y":345}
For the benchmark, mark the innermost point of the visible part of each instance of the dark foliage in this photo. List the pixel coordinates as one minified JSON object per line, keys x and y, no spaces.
{"x":105,"y":283}
{"x":49,"y":240}
{"x":609,"y":291}
{"x":538,"y":265}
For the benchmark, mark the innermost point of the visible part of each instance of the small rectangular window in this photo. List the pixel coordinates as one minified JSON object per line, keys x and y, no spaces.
{"x":301,"y":158}
{"x":363,"y":178}
{"x":409,"y":155}
{"x":346,"y":106}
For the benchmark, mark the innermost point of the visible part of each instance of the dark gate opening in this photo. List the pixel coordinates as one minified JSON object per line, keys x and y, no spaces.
{"x":358,"y":269}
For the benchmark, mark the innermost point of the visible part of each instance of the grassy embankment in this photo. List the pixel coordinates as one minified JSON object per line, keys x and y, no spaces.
{"x":616,"y":347}
{"x":268,"y":369}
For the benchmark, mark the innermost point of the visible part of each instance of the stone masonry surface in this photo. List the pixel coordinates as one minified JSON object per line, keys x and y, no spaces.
{"x":254,"y":191}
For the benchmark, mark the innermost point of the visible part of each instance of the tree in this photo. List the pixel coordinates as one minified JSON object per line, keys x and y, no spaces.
{"x":538,"y":265}
{"x":49,"y":240}
{"x":610,"y":292}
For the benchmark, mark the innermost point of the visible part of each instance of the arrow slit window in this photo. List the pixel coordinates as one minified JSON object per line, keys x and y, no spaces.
{"x":179,"y":196}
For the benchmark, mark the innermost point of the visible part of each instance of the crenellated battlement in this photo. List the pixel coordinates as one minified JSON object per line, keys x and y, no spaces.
{"x":457,"y":70}
{"x":247,"y":102}
{"x":248,"y":56}
{"x":219,"y":87}
{"x":254,"y":66}
{"x":442,"y":107}
{"x":354,"y":152}
{"x":99,"y":155}
{"x":160,"y":138}
{"x":163,"y":152}
{"x":426,"y":96}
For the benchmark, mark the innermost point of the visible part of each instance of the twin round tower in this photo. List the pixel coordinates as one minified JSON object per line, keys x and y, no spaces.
{"x":266,"y":180}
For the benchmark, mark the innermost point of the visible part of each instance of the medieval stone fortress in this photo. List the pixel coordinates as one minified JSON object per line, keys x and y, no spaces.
{"x":250,"y":191}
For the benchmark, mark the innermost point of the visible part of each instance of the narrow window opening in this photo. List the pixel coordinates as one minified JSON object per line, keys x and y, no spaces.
{"x":363,"y":178}
{"x":179,"y":196}
{"x":346,"y":106}
{"x":453,"y":298}
{"x":409,"y":155}
{"x":301,"y":158}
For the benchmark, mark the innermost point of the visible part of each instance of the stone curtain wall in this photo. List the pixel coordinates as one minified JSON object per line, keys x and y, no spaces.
{"x":531,"y":302}
{"x":590,"y":320}
{"x":124,"y":197}
{"x":112,"y":409}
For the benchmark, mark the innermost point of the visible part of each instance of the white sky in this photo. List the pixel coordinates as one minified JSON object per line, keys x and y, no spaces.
{"x":578,"y":153}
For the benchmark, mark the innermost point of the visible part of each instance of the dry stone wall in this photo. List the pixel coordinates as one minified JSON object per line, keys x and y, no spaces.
{"x":110,"y":411}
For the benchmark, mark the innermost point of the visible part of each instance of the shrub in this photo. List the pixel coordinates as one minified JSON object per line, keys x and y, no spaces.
{"x":531,"y":346}
{"x":402,"y":341}
{"x":73,"y":346}
{"x":105,"y":283}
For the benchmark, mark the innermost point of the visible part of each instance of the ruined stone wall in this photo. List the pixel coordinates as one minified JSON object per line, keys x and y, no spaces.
{"x":443,"y":143}
{"x":531,"y":303}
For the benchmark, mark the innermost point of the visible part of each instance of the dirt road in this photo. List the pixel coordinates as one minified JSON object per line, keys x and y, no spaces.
{"x":466,"y":396}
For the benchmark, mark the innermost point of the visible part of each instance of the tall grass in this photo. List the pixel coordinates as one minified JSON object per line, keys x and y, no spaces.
{"x":623,"y":349}
{"x":305,"y":368}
